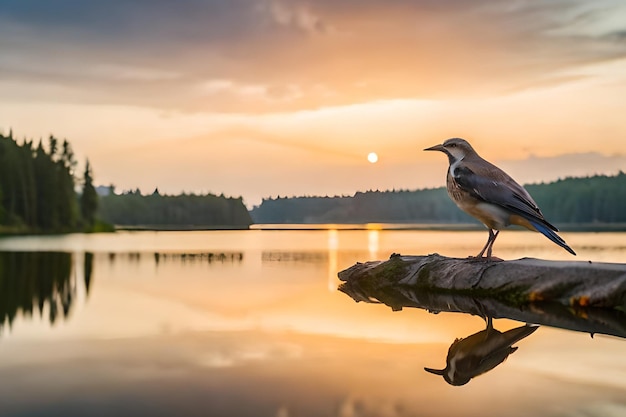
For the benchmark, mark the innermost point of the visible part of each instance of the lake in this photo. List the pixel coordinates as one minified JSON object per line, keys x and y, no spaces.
{"x":251,"y":323}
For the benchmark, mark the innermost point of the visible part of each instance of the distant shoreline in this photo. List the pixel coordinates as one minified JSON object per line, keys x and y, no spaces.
{"x":178,"y":228}
{"x":365,"y":226}
{"x":460,"y":227}
{"x":569,"y":227}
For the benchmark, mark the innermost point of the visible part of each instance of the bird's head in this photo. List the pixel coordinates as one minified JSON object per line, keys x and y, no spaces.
{"x":455,"y":148}
{"x":451,"y":378}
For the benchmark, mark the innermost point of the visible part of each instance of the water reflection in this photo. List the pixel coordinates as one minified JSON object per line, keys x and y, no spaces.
{"x":480,"y":352}
{"x":580,"y":319}
{"x":88,"y":270}
{"x":295,"y":257}
{"x":373,"y":237}
{"x":257,"y":337}
{"x":208,"y":257}
{"x":38,"y":283}
{"x":45,"y":284}
{"x":159,"y":257}
{"x":333,"y":268}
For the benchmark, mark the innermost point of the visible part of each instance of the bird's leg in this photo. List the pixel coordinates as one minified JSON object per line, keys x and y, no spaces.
{"x":489,"y":329}
{"x":495,"y":235}
{"x":491,"y":236}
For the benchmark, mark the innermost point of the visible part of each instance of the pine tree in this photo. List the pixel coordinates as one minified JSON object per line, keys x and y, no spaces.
{"x":89,"y":198}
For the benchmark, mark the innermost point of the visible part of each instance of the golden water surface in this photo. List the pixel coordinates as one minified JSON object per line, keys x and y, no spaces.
{"x":250,"y":323}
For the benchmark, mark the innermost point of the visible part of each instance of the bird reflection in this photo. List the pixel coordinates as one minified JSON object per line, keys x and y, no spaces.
{"x":479,"y":353}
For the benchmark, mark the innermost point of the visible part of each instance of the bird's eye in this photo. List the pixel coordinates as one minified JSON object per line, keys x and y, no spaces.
{"x":453,"y":145}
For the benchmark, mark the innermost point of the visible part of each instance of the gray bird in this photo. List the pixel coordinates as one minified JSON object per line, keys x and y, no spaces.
{"x":484,"y":191}
{"x":479,"y":353}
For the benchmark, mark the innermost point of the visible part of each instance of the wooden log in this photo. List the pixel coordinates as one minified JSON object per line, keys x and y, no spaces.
{"x":516,"y":282}
{"x":580,"y":296}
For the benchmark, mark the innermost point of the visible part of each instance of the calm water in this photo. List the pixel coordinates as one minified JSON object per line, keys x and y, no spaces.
{"x":250,"y":323}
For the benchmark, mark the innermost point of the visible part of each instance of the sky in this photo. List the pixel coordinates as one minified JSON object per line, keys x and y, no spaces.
{"x":266,"y":98}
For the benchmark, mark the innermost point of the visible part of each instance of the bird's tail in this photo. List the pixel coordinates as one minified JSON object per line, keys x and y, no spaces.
{"x":515,"y":335}
{"x":551,"y":234}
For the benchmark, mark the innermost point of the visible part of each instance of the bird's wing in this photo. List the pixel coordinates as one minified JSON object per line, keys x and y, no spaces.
{"x":496,"y":350}
{"x":489,"y":183}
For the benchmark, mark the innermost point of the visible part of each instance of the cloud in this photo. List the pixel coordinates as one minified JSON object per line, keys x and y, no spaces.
{"x":276,"y":55}
{"x":616,"y":36}
{"x":298,"y":16}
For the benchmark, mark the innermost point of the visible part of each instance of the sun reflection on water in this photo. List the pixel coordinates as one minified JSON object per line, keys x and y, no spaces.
{"x":333,"y":268}
{"x":373,"y":243}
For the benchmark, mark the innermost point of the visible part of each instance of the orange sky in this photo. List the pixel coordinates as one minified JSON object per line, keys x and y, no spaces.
{"x":261,"y":98}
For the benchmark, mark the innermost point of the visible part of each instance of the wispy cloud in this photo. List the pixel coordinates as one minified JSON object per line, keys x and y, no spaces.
{"x":280,"y":55}
{"x":295,"y":15}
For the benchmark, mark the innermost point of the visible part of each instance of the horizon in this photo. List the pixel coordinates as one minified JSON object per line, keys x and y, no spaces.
{"x":259,"y":98}
{"x":100,"y":189}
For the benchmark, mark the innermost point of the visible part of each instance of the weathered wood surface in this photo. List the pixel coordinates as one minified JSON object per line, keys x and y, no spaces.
{"x":513,"y":283}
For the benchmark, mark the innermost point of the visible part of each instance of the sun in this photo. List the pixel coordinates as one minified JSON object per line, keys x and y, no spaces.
{"x":372,"y":157}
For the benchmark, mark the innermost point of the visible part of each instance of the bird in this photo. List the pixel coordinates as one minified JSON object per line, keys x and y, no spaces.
{"x":489,"y":194}
{"x":479,"y":353}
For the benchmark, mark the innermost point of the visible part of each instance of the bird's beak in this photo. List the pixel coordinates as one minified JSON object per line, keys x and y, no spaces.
{"x":439,"y":148}
{"x":434,"y":371}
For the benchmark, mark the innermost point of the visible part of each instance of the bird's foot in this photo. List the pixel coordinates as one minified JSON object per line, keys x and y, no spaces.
{"x":484,"y":259}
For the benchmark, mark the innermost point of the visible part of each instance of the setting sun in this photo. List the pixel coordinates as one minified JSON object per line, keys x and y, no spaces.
{"x":193,"y":215}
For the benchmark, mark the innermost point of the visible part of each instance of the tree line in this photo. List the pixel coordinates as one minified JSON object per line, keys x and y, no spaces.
{"x":38,"y":188}
{"x":40,"y":193}
{"x":596,"y":199}
{"x":168,"y":211}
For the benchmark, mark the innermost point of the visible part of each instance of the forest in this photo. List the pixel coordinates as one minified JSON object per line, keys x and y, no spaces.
{"x":184,"y":211}
{"x":40,"y":193}
{"x":598,"y":199}
{"x":38,"y":188}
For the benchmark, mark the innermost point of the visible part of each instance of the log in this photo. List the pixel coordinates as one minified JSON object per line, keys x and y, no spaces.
{"x":519,"y":281}
{"x":581,"y":296}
